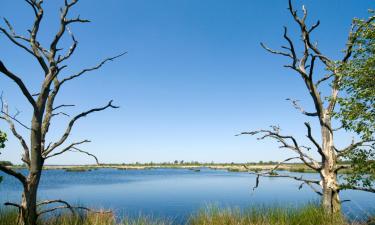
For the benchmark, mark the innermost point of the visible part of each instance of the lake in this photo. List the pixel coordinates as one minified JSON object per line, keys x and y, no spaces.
{"x":176,"y":193}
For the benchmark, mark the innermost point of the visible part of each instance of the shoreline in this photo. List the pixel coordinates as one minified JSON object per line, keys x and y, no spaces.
{"x":196,"y":167}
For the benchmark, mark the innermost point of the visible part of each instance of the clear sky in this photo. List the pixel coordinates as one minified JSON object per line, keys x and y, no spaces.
{"x":194,"y":76}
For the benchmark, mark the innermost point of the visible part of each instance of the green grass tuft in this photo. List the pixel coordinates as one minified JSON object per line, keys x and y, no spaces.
{"x":308,"y":215}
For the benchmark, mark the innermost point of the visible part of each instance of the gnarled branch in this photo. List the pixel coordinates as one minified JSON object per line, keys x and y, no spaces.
{"x":19,"y":82}
{"x":91,"y":69}
{"x":47,"y":154}
{"x":297,"y":106}
{"x":71,"y":123}
{"x":65,"y":205}
{"x":15,"y":174}
{"x":283,"y":139}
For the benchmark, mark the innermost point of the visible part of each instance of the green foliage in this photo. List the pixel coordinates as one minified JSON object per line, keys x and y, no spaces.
{"x":357,"y":103}
{"x":363,"y":169}
{"x":357,"y":106}
{"x":3,"y":139}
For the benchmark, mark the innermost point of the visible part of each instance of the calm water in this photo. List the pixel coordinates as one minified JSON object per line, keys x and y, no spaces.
{"x":175,"y":193}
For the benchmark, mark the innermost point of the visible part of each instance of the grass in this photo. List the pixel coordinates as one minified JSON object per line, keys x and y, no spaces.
{"x":212,"y":215}
{"x":308,"y":215}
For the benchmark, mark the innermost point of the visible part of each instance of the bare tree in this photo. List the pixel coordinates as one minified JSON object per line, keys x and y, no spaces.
{"x":327,"y":165}
{"x":52,"y":63}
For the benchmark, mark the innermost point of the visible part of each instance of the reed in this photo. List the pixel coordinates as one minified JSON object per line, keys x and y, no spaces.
{"x":310,"y":214}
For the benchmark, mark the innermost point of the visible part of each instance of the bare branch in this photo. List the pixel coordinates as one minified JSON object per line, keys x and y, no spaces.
{"x":15,"y":174}
{"x":12,"y":38}
{"x":273,"y":174}
{"x":314,"y":26}
{"x":19,"y":82}
{"x":87,"y":153}
{"x":297,"y":106}
{"x":326,"y":77}
{"x":63,"y":27}
{"x":277,"y":165}
{"x":77,"y":20}
{"x":71,"y":123}
{"x":60,"y":113}
{"x":71,"y":49}
{"x":7,"y":117}
{"x":66,"y":205}
{"x":46,"y":153}
{"x":306,"y":33}
{"x":311,"y":138}
{"x":60,"y":106}
{"x":275,"y":52}
{"x":307,"y":160}
{"x":35,"y":45}
{"x":92,"y":68}
{"x":12,"y":204}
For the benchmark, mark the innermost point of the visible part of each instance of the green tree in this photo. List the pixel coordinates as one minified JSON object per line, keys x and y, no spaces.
{"x":3,"y":139}
{"x":357,"y":105}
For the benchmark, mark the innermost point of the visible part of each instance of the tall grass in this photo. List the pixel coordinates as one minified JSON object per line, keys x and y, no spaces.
{"x":307,"y":215}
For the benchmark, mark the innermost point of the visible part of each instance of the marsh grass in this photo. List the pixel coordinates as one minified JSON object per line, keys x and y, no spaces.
{"x":212,"y":215}
{"x":307,"y":215}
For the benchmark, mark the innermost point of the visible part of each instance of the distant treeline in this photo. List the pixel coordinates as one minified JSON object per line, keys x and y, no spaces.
{"x":6,"y":163}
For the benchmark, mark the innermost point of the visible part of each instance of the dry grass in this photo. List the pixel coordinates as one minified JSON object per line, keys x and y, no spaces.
{"x":308,"y":215}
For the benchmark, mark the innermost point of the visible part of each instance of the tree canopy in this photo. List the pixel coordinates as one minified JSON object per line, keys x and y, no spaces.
{"x":357,"y":105}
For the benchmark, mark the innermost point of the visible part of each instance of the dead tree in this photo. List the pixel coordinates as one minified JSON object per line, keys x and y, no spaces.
{"x":327,"y":165}
{"x":52,"y":61}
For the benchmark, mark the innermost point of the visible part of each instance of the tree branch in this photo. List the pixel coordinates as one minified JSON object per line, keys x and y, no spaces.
{"x":19,"y":82}
{"x":15,"y":174}
{"x":313,"y":164}
{"x":372,"y":190}
{"x":311,"y":138}
{"x":297,"y":106}
{"x":91,"y":69}
{"x":71,"y":123}
{"x":72,"y":148}
{"x":66,"y":205}
{"x":87,"y":153}
{"x":273,"y":174}
{"x":352,"y":146}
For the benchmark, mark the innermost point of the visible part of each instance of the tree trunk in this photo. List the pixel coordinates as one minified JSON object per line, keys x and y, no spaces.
{"x":28,"y":215}
{"x":330,"y":198}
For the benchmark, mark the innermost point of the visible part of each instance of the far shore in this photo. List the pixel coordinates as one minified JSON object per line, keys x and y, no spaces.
{"x":231,"y":167}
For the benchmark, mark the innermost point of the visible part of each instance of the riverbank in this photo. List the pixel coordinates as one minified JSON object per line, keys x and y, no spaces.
{"x":307,"y":215}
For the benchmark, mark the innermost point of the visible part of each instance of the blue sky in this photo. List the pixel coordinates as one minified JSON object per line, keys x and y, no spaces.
{"x":194,"y":76}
